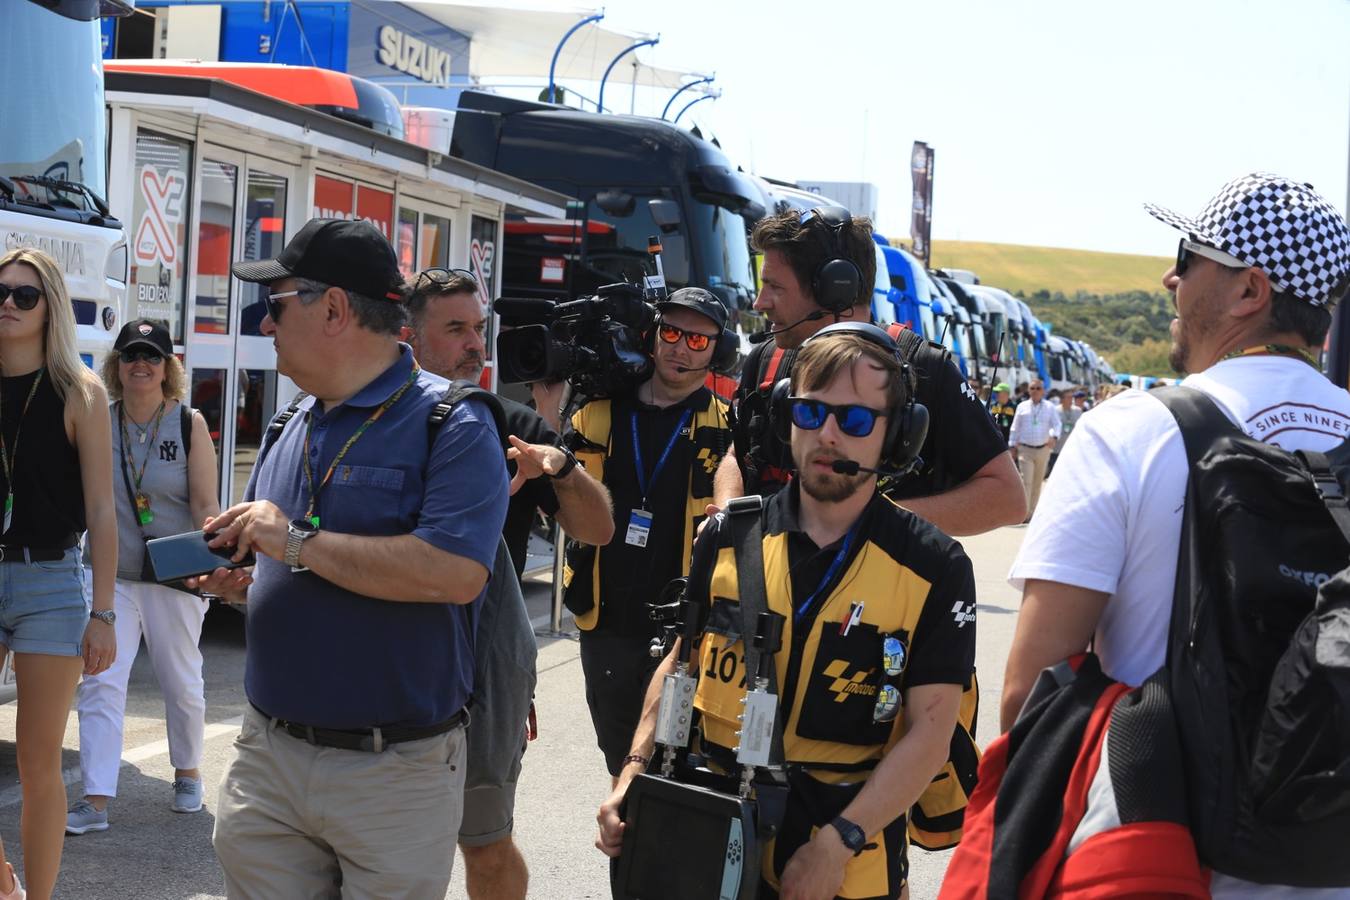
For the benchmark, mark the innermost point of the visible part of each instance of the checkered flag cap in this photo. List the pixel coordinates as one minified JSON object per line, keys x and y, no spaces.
{"x":1280,"y":226}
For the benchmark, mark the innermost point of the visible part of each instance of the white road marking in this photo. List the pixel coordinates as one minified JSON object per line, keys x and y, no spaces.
{"x":14,"y":795}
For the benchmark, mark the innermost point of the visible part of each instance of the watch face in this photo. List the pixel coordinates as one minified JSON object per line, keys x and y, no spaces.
{"x":304,"y":525}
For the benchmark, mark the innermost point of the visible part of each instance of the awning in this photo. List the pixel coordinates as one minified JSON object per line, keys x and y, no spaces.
{"x":516,"y":39}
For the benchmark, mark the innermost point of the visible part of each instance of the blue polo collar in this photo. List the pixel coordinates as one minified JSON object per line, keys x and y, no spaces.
{"x":378,"y":390}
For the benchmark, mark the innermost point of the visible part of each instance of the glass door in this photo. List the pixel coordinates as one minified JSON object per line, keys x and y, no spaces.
{"x":268,"y":191}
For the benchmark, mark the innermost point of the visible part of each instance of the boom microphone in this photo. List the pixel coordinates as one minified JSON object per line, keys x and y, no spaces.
{"x":760,"y":337}
{"x":852,"y":467}
{"x":683,"y":369}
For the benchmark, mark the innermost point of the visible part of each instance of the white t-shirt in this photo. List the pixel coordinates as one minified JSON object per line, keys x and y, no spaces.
{"x":1110,"y":518}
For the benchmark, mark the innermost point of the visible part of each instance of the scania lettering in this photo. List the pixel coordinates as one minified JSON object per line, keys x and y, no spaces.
{"x":53,"y":152}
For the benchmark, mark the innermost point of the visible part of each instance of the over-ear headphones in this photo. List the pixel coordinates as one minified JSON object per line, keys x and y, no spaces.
{"x":837,"y":281}
{"x":905,"y":429}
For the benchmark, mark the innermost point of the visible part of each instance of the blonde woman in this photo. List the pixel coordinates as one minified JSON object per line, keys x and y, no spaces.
{"x":165,"y":472}
{"x":55,"y":472}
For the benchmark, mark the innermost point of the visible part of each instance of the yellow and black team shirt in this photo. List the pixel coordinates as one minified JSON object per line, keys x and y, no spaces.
{"x":1003,"y":414}
{"x":900,"y":578}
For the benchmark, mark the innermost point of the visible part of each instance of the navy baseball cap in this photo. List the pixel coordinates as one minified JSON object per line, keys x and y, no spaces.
{"x":355,"y":256}
{"x":700,"y":301}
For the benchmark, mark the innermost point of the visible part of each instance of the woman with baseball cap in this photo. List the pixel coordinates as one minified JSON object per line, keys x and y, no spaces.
{"x":165,"y":468}
{"x":56,"y":484}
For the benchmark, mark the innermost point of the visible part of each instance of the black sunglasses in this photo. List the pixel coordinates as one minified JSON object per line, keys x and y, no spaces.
{"x":153,"y":357}
{"x":853,"y":420}
{"x":273,"y":303}
{"x":25,"y":295}
{"x":1187,"y":251}
{"x":440,"y":277}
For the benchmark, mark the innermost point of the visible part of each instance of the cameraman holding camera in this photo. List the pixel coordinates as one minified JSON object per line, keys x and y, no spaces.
{"x":878,"y":611}
{"x":656,"y":448}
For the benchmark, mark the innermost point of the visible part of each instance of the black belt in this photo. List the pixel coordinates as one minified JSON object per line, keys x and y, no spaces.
{"x":1034,"y":446}
{"x":22,"y":554}
{"x":370,"y":740}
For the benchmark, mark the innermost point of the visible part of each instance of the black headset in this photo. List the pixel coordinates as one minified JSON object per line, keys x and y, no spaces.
{"x":838,"y":280}
{"x":905,"y":431}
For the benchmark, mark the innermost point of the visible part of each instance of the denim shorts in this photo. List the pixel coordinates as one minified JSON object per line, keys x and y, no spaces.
{"x":43,"y":608}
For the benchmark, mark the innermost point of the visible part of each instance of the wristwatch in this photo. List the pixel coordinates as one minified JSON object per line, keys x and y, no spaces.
{"x":567,"y":466}
{"x":106,"y":616}
{"x":850,"y":834}
{"x":299,"y":531}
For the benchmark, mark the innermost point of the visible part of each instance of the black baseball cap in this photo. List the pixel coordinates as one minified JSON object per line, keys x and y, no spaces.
{"x":355,"y":256}
{"x":700,"y":301}
{"x":145,"y":333}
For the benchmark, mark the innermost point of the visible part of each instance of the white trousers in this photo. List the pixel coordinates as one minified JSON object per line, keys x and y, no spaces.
{"x":171,"y":622}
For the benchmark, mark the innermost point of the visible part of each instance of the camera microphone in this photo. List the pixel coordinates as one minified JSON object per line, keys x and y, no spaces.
{"x":516,"y":311}
{"x":760,"y":337}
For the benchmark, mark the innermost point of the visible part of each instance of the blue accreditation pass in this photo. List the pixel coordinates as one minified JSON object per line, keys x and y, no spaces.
{"x":639,"y":528}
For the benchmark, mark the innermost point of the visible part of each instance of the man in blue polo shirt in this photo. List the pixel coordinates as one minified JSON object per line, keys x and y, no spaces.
{"x":373,"y":543}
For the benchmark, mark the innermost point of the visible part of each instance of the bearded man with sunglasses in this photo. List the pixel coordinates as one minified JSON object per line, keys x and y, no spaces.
{"x":878,"y":636}
{"x":1256,"y":277}
{"x":656,"y":449}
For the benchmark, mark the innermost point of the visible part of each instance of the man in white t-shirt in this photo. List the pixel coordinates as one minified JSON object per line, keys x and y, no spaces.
{"x":1253,"y":286}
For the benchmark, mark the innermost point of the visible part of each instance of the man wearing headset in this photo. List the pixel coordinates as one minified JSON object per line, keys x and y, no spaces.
{"x":656,"y":449}
{"x":819,"y":268}
{"x":878,"y":634}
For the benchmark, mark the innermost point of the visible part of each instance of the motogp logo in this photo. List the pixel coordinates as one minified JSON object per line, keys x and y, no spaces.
{"x":963,"y":613}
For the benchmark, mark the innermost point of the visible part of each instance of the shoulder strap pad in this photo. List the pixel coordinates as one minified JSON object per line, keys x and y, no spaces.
{"x":278,"y":425}
{"x":458,"y":392}
{"x":185,"y":426}
{"x":1199,"y":418}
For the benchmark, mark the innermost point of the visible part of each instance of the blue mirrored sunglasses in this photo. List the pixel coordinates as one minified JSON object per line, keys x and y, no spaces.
{"x":853,"y":420}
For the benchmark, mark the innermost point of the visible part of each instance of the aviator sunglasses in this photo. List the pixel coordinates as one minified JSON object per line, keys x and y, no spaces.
{"x":1188,"y":250}
{"x":25,"y":295}
{"x":852,"y":419}
{"x":441,"y":277}
{"x":695,"y":341}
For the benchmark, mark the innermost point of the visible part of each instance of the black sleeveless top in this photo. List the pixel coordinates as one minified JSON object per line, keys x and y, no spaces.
{"x":48,"y":490}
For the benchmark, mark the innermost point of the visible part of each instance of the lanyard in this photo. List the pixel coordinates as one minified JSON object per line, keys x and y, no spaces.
{"x":8,"y":458}
{"x":643,"y":483}
{"x":128,"y":458}
{"x":1276,"y":350}
{"x":832,"y":571}
{"x":332,"y":467}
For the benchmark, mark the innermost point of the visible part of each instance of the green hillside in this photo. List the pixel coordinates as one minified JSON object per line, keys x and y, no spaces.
{"x":1026,"y":270}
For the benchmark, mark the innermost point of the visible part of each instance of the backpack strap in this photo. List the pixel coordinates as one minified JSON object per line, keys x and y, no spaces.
{"x":747,"y":535}
{"x":278,"y":425}
{"x":456,"y":393}
{"x":1328,"y":488}
{"x":1199,"y":418}
{"x":185,"y":426}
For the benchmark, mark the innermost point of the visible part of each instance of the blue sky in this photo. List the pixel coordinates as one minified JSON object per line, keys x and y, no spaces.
{"x":1052,"y":121}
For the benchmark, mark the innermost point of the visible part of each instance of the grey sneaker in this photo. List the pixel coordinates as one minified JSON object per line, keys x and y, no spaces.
{"x":83,"y":818}
{"x":187,"y":795}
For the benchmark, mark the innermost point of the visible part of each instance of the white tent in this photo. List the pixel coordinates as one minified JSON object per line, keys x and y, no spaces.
{"x":517,"y":38}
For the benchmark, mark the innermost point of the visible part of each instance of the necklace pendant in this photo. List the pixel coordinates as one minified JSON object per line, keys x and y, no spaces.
{"x":141,"y":438}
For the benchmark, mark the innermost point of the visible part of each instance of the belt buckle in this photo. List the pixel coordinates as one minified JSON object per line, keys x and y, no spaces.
{"x":2,"y":553}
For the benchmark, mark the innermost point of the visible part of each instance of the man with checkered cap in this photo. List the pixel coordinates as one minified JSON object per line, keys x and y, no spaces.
{"x":1256,"y":276}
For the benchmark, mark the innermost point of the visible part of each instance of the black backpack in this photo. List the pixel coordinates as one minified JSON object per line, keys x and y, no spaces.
{"x":1258,"y":658}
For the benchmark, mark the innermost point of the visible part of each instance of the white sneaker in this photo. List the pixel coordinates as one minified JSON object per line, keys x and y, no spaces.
{"x":187,"y":795}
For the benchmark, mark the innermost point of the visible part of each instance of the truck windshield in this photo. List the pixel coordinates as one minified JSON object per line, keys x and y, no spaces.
{"x":723,"y":250}
{"x":52,"y":108}
{"x":616,"y":245}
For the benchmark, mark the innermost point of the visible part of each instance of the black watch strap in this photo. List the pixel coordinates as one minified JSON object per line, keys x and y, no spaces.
{"x":567,"y":466}
{"x":850,"y":833}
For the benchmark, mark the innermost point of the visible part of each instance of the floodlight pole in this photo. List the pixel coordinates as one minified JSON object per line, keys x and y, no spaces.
{"x":553,"y":64}
{"x":676,"y":121}
{"x":650,"y":42}
{"x":669,"y":103}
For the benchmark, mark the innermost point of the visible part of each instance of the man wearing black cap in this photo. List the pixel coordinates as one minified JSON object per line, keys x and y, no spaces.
{"x":371,"y":544}
{"x":1256,"y":276}
{"x":657,"y":448}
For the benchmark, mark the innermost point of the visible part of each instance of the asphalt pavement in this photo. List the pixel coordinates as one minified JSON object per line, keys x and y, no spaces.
{"x":151,"y":853}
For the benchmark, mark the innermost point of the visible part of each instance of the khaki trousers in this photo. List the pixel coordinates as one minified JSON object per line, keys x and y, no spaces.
{"x":300,"y":822}
{"x":1031,"y":463}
